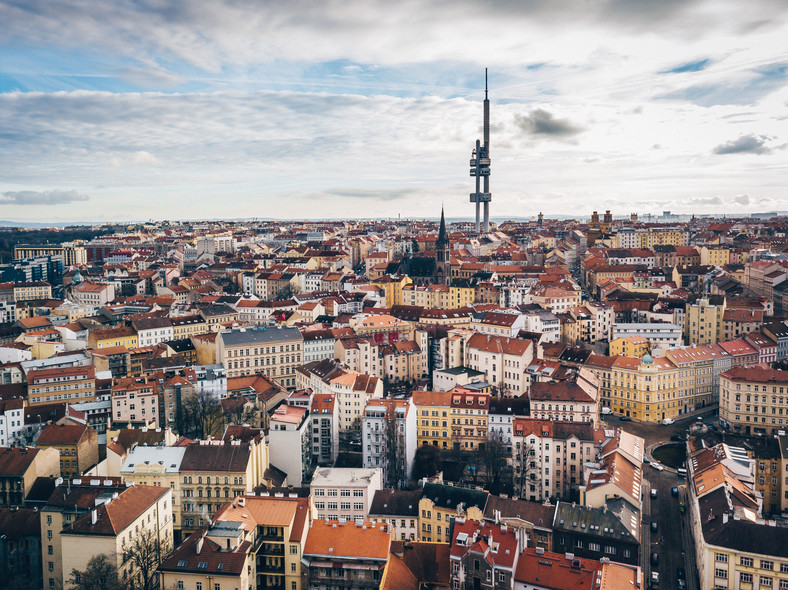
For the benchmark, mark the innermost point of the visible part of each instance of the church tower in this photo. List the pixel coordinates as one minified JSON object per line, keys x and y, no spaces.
{"x":442,"y":255}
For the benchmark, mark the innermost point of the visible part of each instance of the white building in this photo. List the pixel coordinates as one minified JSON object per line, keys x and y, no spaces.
{"x":12,"y":420}
{"x":344,"y":492}
{"x":388,"y":432}
{"x":152,"y":331}
{"x":658,"y":335}
{"x":289,"y":442}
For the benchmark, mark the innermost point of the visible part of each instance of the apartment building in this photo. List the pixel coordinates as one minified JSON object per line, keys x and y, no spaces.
{"x":77,"y":445}
{"x":440,"y":503}
{"x":276,"y":352}
{"x":399,"y":509}
{"x":253,"y":541}
{"x":61,"y":384}
{"x":754,"y":400}
{"x":152,"y":330}
{"x":344,"y":494}
{"x":503,"y":360}
{"x":113,"y":527}
{"x":135,"y":402}
{"x":658,"y":335}
{"x":212,"y":473}
{"x":69,"y":500}
{"x":345,"y":555}
{"x":646,"y":389}
{"x":433,"y":418}
{"x":19,"y":468}
{"x":569,"y":401}
{"x":469,"y":413}
{"x":548,"y":457}
{"x":388,"y":438}
{"x":93,"y":293}
{"x":290,"y":442}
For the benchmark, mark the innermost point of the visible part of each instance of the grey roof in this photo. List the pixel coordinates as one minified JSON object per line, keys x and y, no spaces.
{"x":260,"y":335}
{"x":460,"y":371}
{"x":599,"y":522}
{"x":389,"y":502}
{"x":447,"y":496}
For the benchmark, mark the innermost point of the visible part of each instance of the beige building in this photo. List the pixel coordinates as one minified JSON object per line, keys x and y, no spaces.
{"x":19,"y":468}
{"x":113,"y":527}
{"x":503,"y":360}
{"x":61,"y":384}
{"x":252,"y":542}
{"x":754,"y":400}
{"x":275,"y":352}
{"x":344,"y":493}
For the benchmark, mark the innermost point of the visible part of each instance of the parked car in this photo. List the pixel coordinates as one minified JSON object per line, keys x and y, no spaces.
{"x":653,"y":492}
{"x":674,"y":491}
{"x":657,"y":466}
{"x":681,"y":579}
{"x":606,"y":411}
{"x":655,"y":559}
{"x":681,"y":472}
{"x":654,"y":579}
{"x":668,"y":421}
{"x":625,"y":419}
{"x":677,"y":438}
{"x":653,"y":526}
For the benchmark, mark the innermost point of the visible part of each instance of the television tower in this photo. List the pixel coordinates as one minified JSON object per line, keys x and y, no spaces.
{"x":480,"y":167}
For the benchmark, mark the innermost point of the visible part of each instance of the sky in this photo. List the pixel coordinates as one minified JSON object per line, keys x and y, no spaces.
{"x":155,"y":109}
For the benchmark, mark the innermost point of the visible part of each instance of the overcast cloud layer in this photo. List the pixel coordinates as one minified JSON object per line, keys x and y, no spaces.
{"x":136,"y":110}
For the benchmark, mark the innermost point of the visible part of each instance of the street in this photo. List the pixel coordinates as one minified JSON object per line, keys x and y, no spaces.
{"x":672,"y":541}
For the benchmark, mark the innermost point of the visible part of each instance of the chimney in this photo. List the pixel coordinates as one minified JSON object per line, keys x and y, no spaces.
{"x":93,"y":516}
{"x":198,"y":546}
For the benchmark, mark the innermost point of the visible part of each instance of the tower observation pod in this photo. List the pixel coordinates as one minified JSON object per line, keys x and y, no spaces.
{"x":480,"y":168}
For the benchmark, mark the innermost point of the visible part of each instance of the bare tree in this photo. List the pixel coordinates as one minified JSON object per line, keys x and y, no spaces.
{"x":203,"y":415}
{"x":144,"y":555}
{"x":394,"y":449}
{"x":494,"y":457}
{"x":526,"y":474}
{"x":101,"y":573}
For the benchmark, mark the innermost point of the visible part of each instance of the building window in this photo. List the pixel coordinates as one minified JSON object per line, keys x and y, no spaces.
{"x":721,"y":573}
{"x":767,"y":565}
{"x":746,"y":561}
{"x":721,"y":557}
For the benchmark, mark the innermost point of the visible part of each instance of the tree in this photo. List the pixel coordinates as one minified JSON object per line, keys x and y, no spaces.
{"x":494,"y":457}
{"x":201,"y":416}
{"x":427,"y":462}
{"x":525,"y":472}
{"x":100,"y":574}
{"x":394,"y":448}
{"x":241,"y":411}
{"x":144,"y":555}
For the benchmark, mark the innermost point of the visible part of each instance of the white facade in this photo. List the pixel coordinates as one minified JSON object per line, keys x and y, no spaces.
{"x":658,"y":335}
{"x":375,"y":433}
{"x":288,"y":442}
{"x":12,"y":421}
{"x":344,"y":492}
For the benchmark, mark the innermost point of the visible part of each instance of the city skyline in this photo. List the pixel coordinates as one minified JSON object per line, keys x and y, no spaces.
{"x":122,"y":112}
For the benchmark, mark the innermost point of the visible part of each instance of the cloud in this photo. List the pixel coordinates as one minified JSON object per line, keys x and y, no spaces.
{"x":382,"y":194}
{"x":542,"y":122}
{"x":51,"y":197}
{"x":144,"y":158}
{"x":746,"y":144}
{"x":743,"y":200}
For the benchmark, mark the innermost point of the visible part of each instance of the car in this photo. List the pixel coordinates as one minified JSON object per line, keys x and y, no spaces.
{"x":653,"y":526}
{"x":677,"y":438}
{"x":680,"y":575}
{"x":653,"y":492}
{"x":625,"y":419}
{"x":713,"y":427}
{"x":654,"y":578}
{"x":657,"y":466}
{"x":668,"y":421}
{"x":674,"y":491}
{"x":681,"y":472}
{"x":655,"y":559}
{"x":606,"y":411}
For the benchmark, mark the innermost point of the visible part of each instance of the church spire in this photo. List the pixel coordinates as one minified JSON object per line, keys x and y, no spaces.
{"x":442,"y":238}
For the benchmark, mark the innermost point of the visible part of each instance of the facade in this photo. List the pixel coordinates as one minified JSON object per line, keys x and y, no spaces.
{"x":290,"y":438}
{"x":77,"y":445}
{"x":564,"y":400}
{"x":469,"y":410}
{"x":503,"y":360}
{"x":753,"y":400}
{"x":19,"y":468}
{"x":70,"y":500}
{"x":658,"y":335}
{"x":549,"y":457}
{"x":484,"y":555}
{"x":399,"y":509}
{"x":276,"y":352}
{"x":440,"y":503}
{"x":61,"y":384}
{"x":345,"y":555}
{"x":135,"y":402}
{"x":433,"y":418}
{"x":344,"y":493}
{"x":388,"y":439}
{"x":113,"y":527}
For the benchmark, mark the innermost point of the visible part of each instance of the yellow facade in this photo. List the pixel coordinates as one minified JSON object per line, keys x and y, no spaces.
{"x":628,"y":346}
{"x":393,"y":289}
{"x":182,"y":331}
{"x":715,"y":255}
{"x":657,"y":236}
{"x":129,"y":341}
{"x":435,"y":521}
{"x":34,"y":290}
{"x":433,"y":418}
{"x":645,"y":391}
{"x":703,"y":323}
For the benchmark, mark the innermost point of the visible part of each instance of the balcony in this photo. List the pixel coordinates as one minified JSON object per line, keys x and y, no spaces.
{"x":271,"y":549}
